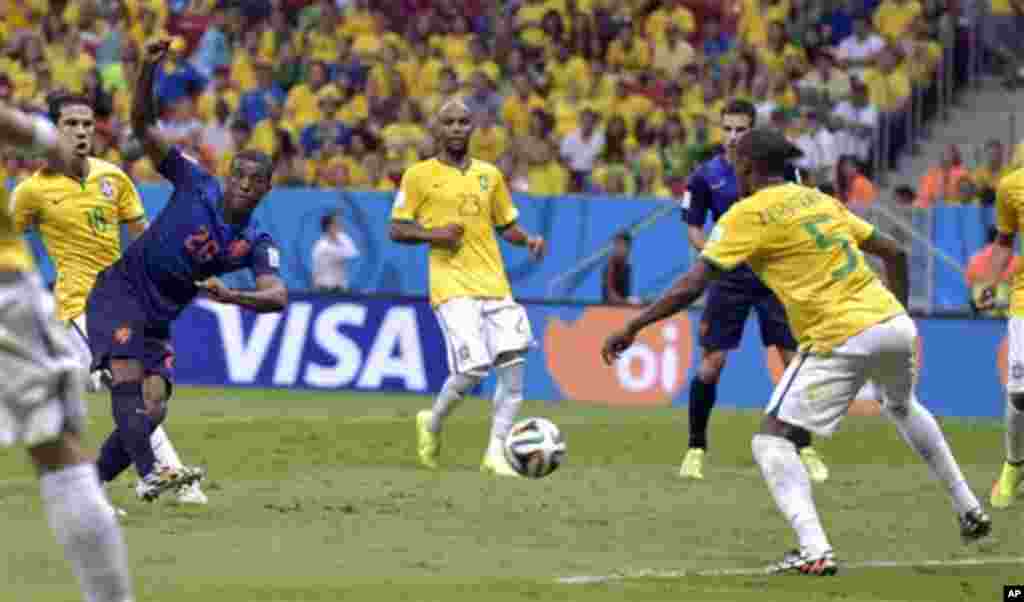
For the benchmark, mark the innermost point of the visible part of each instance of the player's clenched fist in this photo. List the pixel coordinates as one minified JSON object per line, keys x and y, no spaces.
{"x":156,"y":50}
{"x":217,"y":290}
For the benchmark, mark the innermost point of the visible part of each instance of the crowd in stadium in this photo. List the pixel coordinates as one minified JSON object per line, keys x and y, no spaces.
{"x":595,"y":96}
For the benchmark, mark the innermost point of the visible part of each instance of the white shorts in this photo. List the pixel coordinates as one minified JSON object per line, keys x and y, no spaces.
{"x":476,"y":331}
{"x":1015,"y":357}
{"x":816,"y":390}
{"x":41,"y":390}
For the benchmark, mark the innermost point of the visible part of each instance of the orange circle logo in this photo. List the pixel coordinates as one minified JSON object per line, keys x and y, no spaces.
{"x":650,"y":373}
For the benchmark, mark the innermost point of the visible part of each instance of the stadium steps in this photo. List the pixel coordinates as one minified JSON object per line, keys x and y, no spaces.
{"x":983,"y":112}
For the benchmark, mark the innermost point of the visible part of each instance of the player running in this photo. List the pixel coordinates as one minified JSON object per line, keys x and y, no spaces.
{"x":1009,"y":221}
{"x":79,"y":222}
{"x":712,"y":189}
{"x":806,"y":246}
{"x":42,"y":405}
{"x":454,"y":203}
{"x":204,"y":231}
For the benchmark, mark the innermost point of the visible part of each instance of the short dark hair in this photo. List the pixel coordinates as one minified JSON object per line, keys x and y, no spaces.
{"x":57,"y":100}
{"x":738,"y":106}
{"x":327,"y":220}
{"x":904,"y":191}
{"x":991,"y":234}
{"x":769,"y":150}
{"x":259,"y":157}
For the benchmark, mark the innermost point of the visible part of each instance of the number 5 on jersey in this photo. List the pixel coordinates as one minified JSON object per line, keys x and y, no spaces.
{"x":826,"y":241}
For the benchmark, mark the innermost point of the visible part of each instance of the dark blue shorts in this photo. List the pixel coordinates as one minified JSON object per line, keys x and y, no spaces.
{"x":119,"y":328}
{"x":729,"y":301}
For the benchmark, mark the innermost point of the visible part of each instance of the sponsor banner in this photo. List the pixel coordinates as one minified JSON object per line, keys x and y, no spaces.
{"x":384,"y":344}
{"x":361,"y":344}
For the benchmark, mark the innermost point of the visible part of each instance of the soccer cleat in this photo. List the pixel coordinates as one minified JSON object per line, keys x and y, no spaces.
{"x":496,"y":464}
{"x":192,"y":494}
{"x":693,"y":464}
{"x":801,"y":563}
{"x":974,"y":524}
{"x":815,"y":466}
{"x":1005,"y":489}
{"x":164,"y":478}
{"x":428,"y":444}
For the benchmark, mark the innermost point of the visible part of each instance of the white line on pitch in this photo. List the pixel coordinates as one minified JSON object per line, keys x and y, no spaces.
{"x":741,"y":572}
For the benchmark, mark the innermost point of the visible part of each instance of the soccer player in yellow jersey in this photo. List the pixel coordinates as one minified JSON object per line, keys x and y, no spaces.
{"x":1010,"y":221}
{"x":806,"y":247}
{"x":41,"y":404}
{"x":454,"y":204}
{"x":79,"y":221}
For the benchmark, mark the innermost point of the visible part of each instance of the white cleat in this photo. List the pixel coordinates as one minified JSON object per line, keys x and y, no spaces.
{"x":192,"y":494}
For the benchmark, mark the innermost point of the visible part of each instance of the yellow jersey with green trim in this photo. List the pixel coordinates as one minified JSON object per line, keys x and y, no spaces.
{"x":1010,"y":220}
{"x":434,"y":194}
{"x":15,"y":256}
{"x":79,"y":223}
{"x":803,"y":244}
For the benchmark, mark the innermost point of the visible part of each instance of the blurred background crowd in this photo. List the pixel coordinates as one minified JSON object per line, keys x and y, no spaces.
{"x":572,"y":96}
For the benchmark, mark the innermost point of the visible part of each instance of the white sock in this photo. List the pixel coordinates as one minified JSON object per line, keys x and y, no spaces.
{"x":455,"y":387}
{"x":508,"y":397}
{"x":163,"y":449}
{"x":85,"y":525}
{"x":1014,"y":434}
{"x":791,"y":487}
{"x":922,"y":433}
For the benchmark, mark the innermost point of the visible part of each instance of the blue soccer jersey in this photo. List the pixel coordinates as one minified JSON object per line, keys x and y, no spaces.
{"x":189,"y":241}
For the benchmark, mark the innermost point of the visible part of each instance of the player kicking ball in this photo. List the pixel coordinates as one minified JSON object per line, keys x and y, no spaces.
{"x":711,"y":190}
{"x":79,"y":221}
{"x":806,"y":247}
{"x":42,"y":406}
{"x":203,"y":232}
{"x":1010,"y":221}
{"x":454,"y":204}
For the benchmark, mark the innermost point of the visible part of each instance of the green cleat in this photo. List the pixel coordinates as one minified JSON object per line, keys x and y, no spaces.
{"x":428,"y":445}
{"x":693,"y":464}
{"x":1005,"y":489}
{"x":815,"y":466}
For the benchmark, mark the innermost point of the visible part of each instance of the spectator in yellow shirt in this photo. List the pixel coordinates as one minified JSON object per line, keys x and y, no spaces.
{"x":515,"y":111}
{"x":671,"y":12}
{"x":567,"y":67}
{"x":629,"y":52}
{"x":265,"y":134}
{"x":629,"y":104}
{"x":489,"y":140}
{"x":221,"y":88}
{"x":454,"y":46}
{"x":893,"y":18}
{"x":406,"y":133}
{"x":528,"y":21}
{"x":775,"y":54}
{"x":69,"y":61}
{"x":302,"y":106}
{"x":672,"y":52}
{"x":888,"y":86}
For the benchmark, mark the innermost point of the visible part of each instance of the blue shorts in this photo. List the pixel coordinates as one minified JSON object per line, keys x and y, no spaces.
{"x":119,"y":328}
{"x":729,"y":301}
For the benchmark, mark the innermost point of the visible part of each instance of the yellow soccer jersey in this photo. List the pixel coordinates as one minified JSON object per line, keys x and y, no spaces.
{"x":1010,"y":220}
{"x":434,"y":194}
{"x":79,"y":224}
{"x":803,"y":245}
{"x":15,"y":255}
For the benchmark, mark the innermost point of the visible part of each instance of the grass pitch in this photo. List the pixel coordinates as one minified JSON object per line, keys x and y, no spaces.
{"x":317,"y":497}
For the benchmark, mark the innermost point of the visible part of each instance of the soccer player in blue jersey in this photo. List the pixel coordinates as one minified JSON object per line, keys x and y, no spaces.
{"x":204,"y":231}
{"x":712,"y":189}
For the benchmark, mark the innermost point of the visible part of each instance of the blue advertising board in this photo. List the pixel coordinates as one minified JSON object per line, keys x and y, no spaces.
{"x":394,"y":344}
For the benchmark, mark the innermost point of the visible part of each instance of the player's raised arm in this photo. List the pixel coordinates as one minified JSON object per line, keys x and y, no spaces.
{"x":144,"y":106}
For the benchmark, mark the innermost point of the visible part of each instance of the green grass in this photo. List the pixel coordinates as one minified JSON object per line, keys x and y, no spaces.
{"x":318,"y":497}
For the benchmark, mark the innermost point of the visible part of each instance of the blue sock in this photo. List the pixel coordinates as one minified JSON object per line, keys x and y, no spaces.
{"x":702,"y":399}
{"x":134,"y":425}
{"x":113,"y":458}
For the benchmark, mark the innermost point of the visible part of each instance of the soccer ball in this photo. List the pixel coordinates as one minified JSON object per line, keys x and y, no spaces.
{"x":534,"y":447}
